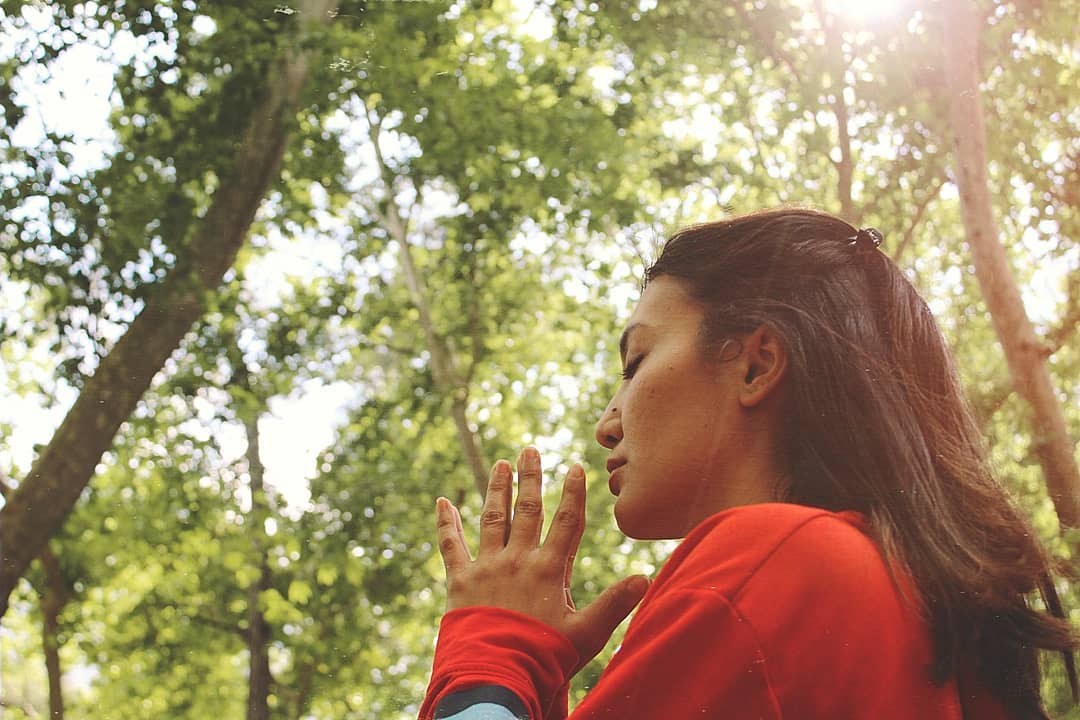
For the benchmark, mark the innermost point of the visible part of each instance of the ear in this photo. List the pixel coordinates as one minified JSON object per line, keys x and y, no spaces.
{"x":764,"y":362}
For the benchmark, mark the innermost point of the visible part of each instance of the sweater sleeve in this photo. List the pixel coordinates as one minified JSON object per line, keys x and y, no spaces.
{"x":490,"y":656}
{"x":689,"y":654}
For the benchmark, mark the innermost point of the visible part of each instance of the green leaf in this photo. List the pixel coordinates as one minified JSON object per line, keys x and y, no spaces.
{"x":299,"y":592}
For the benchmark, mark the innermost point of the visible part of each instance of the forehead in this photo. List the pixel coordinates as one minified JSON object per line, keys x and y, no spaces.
{"x":665,"y":303}
{"x":665,"y":310}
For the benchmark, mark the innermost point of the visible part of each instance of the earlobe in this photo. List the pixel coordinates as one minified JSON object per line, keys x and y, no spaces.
{"x":766,"y":364}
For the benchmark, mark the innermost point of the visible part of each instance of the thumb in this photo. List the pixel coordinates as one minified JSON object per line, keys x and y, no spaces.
{"x":614,"y":604}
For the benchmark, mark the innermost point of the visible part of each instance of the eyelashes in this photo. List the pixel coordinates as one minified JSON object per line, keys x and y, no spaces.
{"x":631,"y":367}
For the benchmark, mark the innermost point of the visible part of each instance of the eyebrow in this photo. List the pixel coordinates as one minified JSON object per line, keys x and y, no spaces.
{"x":624,"y":339}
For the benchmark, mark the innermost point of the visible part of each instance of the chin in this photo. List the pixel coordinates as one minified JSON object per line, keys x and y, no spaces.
{"x":637,"y":528}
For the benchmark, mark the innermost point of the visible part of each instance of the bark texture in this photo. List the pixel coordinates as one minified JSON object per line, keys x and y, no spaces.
{"x":39,"y":505}
{"x":1024,"y":352}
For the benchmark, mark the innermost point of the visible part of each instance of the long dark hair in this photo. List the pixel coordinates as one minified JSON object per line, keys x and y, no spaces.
{"x":878,"y":423}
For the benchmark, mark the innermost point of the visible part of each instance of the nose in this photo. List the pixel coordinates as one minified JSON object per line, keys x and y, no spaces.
{"x":609,"y":427}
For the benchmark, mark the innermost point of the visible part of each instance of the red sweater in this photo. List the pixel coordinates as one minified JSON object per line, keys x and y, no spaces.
{"x":764,"y":611}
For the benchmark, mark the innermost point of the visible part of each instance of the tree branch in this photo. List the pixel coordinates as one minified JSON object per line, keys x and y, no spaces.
{"x":38,"y":507}
{"x":447,"y":378}
{"x":1024,"y":353}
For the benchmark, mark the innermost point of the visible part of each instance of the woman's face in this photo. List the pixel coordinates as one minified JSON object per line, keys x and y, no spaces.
{"x":682,"y":446}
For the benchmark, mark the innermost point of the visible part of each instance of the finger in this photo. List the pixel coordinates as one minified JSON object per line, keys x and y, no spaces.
{"x":607,"y":611}
{"x":568,"y":577}
{"x":461,"y":530}
{"x":451,"y":544}
{"x":529,"y":507}
{"x":568,"y":572}
{"x":568,"y":523}
{"x":495,"y":517}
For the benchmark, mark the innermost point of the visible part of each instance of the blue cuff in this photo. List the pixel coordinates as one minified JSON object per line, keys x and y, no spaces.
{"x":487,"y":702}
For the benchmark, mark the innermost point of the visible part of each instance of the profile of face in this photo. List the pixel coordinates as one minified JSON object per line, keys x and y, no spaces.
{"x":689,"y":434}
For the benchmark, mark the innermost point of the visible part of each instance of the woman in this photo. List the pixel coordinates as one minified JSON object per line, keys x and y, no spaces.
{"x":789,"y":407}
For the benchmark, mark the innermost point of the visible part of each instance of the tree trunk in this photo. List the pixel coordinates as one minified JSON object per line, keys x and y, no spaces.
{"x":258,"y":633}
{"x":52,"y":602}
{"x":39,"y":505}
{"x":1025,"y":355}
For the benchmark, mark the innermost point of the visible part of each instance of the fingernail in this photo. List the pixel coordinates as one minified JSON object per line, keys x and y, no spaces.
{"x":503,"y":469}
{"x":530,"y":455}
{"x":442,"y":504}
{"x":576,"y":472}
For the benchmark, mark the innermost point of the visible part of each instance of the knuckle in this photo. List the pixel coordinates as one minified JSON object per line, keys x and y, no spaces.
{"x":529,"y":507}
{"x":498,"y":484}
{"x":447,"y":545}
{"x":492,"y":518}
{"x":565,"y":518}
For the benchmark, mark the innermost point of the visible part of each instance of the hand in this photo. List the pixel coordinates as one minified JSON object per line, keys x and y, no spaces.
{"x":514,"y":571}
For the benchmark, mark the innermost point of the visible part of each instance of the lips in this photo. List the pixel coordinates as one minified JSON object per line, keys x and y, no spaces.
{"x":613,"y":466}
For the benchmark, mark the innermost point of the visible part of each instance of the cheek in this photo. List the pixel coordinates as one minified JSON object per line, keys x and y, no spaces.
{"x":651,"y":387}
{"x":638,"y":411}
{"x":654,"y":399}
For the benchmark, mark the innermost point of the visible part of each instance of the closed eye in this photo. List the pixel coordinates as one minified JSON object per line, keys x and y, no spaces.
{"x":631,"y":367}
